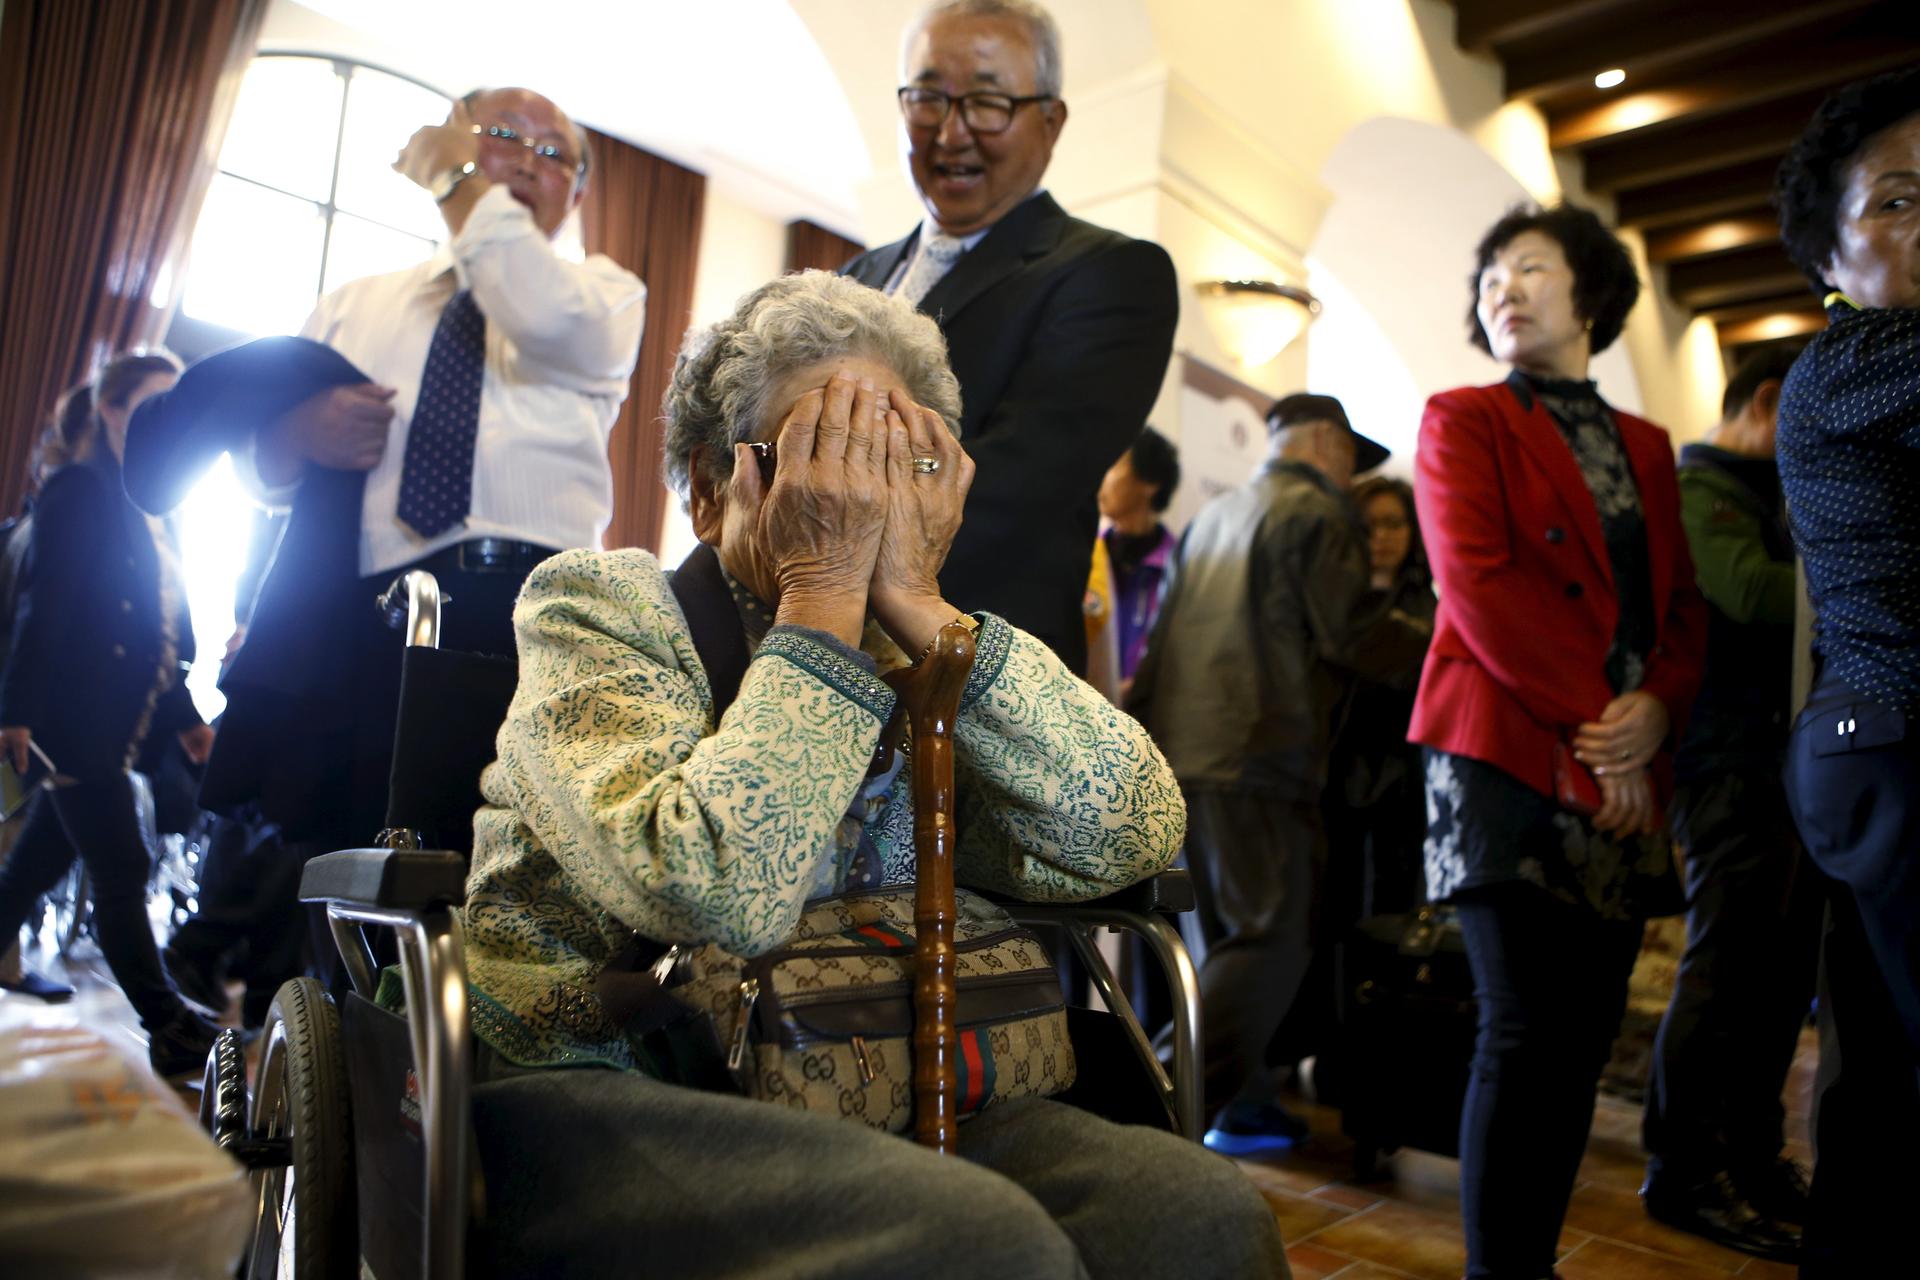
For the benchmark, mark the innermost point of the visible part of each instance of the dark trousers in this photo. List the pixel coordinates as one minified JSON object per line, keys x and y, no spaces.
{"x":95,"y":820}
{"x":1551,"y":981}
{"x":248,"y":922}
{"x":1853,"y":777}
{"x":1256,"y":861}
{"x":1745,"y":983}
{"x":596,"y":1173}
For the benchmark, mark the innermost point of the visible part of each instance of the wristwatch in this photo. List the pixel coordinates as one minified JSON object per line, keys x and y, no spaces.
{"x":444,"y":184}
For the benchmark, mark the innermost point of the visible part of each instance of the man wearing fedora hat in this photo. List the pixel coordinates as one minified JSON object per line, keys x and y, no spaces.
{"x":1270,"y":616}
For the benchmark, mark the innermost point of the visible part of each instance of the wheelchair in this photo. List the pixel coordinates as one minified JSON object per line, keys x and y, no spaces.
{"x":357,"y":1132}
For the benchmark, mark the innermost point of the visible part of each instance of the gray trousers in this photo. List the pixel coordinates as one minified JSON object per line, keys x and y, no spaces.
{"x":603,"y":1173}
{"x":1256,"y":862}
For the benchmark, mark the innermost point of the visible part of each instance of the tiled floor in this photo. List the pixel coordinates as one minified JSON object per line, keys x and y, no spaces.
{"x":1404,"y":1226}
{"x":1408,"y":1224}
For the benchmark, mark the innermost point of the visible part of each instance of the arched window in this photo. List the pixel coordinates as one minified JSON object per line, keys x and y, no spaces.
{"x":306,"y":197}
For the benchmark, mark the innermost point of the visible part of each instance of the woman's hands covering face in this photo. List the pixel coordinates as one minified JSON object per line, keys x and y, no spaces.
{"x":810,"y":540}
{"x":848,"y":522}
{"x":923,"y":507}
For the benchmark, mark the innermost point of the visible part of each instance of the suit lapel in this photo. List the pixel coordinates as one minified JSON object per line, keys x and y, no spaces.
{"x":1028,"y":232}
{"x":876,"y":268}
{"x":1540,"y":436}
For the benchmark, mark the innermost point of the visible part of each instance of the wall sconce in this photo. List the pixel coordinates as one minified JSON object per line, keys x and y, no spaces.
{"x":1255,"y":320}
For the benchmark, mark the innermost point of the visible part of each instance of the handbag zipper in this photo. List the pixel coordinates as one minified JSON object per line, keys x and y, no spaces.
{"x":854,"y":949}
{"x":783,"y":1028}
{"x":737,"y":1052}
{"x":903,"y":989}
{"x":860,"y":1057}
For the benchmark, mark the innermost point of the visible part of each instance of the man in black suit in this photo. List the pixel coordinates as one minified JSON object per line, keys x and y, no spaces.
{"x":1058,"y":330}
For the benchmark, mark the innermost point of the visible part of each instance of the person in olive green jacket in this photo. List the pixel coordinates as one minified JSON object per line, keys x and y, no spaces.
{"x":1714,"y":1119}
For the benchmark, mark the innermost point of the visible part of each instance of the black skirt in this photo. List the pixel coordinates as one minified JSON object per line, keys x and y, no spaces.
{"x":1486,"y":827}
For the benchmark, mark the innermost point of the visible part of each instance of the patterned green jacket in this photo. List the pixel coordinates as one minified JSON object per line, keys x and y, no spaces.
{"x":616,"y":804}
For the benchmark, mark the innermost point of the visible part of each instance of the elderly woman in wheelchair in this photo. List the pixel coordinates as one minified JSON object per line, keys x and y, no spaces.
{"x":692,"y":762}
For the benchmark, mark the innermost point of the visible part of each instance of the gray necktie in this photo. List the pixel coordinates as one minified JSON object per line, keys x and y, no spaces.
{"x":938,"y":253}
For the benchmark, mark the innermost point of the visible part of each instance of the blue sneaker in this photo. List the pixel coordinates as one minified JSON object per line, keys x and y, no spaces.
{"x":1251,"y":1128}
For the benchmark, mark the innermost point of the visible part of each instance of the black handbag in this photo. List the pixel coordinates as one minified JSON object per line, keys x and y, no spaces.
{"x":1403,"y":1044}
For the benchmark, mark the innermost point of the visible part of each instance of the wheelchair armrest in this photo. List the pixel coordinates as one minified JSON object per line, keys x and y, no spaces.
{"x":399,"y":878}
{"x":1169,"y":891}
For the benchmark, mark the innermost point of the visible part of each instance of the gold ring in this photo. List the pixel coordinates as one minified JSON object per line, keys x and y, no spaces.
{"x":926,"y":466}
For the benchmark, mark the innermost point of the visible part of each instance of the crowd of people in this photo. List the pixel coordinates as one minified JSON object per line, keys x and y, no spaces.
{"x":1547,"y":689}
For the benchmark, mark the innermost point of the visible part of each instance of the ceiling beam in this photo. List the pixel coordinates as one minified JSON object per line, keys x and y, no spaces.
{"x":1758,"y":77}
{"x":1481,"y":24}
{"x":1725,"y":190}
{"x":1749,"y":134}
{"x":1731,"y":277}
{"x":1771,"y":327}
{"x":1747,"y":230}
{"x":1800,"y":300}
{"x":1652,"y":37}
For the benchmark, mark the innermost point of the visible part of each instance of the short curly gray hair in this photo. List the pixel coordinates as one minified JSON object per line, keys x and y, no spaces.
{"x":725,"y":373}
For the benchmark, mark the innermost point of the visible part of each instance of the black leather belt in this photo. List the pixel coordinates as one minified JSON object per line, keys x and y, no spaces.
{"x":488,"y":555}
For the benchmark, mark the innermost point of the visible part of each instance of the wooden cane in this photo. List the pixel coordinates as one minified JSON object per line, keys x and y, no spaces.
{"x":930,"y":692}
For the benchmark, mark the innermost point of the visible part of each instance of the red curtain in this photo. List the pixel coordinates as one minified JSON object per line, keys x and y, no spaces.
{"x":644,"y":213}
{"x":111,"y":118}
{"x":813,"y":247}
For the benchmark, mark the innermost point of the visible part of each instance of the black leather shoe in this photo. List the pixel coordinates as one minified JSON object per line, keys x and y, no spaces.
{"x":194,"y":983}
{"x":1715,"y":1210}
{"x":32,"y":984}
{"x":178,"y":1050}
{"x":1777,"y":1188}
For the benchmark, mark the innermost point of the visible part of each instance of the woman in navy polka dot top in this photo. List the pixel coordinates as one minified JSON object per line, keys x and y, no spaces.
{"x":1849,"y":441}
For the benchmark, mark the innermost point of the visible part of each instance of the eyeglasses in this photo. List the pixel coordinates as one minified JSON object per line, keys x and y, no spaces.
{"x":983,"y":112}
{"x":506,"y":136}
{"x":763,"y":453}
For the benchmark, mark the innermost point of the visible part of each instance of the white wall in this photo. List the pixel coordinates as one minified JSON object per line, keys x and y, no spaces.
{"x":1391,"y":261}
{"x":740,"y":250}
{"x":1294,"y":140}
{"x":714,"y":86}
{"x":1344,"y":144}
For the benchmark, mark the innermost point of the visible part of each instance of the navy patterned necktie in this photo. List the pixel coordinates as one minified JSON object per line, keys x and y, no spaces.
{"x":436,"y":478}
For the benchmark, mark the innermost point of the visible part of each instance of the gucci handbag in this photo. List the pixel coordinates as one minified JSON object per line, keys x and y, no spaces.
{"x":825,"y":1022}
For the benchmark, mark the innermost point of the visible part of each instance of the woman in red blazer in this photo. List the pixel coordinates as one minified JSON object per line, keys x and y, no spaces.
{"x":1567,"y":647}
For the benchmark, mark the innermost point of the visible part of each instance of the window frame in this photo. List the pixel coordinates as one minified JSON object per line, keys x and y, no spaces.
{"x":346,"y":68}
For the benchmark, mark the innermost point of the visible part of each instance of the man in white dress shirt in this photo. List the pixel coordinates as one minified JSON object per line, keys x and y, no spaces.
{"x":497,"y":369}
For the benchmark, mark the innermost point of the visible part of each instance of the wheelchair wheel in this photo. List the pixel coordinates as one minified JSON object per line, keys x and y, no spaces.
{"x":71,"y":903}
{"x":304,"y":1226}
